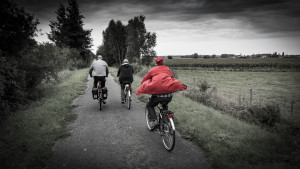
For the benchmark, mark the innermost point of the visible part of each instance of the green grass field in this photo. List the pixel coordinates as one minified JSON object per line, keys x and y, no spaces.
{"x":280,"y":87}
{"x":250,"y":64}
{"x":28,"y":135}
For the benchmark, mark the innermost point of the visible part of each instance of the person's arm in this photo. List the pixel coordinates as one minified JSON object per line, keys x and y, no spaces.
{"x":91,"y":70}
{"x":119,"y":71}
{"x":132,"y":69}
{"x":107,"y":71}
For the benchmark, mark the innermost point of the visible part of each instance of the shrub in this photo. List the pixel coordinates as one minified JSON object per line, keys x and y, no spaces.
{"x":267,"y":114}
{"x":203,"y":86}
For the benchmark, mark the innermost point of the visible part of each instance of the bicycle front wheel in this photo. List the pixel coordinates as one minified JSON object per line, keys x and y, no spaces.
{"x":168,"y":133}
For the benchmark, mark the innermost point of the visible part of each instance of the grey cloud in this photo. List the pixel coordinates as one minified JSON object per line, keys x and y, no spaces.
{"x":265,"y":16}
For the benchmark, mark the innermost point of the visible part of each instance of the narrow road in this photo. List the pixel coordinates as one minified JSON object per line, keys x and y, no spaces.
{"x":118,"y":138}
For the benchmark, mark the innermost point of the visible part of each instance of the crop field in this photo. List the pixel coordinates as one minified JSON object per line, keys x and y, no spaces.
{"x":250,"y":64}
{"x":280,"y":87}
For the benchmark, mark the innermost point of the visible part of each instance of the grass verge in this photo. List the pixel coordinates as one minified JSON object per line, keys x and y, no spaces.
{"x":28,"y":136}
{"x":228,"y":142}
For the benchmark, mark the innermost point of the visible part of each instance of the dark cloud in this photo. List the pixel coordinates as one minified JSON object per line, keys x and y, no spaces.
{"x":267,"y":18}
{"x":272,"y":15}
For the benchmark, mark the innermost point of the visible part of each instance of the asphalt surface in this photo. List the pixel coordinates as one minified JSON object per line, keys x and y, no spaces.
{"x":118,"y":138}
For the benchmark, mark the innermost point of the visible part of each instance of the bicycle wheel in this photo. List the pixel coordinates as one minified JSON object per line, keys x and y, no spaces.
{"x":128,"y":98}
{"x":100,"y":101}
{"x":150,"y":125}
{"x":167,"y":133}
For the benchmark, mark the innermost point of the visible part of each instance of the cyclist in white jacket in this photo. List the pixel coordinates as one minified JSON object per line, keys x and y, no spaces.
{"x":99,"y":70}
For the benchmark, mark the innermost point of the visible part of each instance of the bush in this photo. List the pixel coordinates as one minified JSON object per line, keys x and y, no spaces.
{"x":267,"y":114}
{"x":203,"y":86}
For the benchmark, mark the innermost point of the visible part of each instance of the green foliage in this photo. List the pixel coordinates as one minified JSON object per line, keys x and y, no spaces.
{"x":67,"y":30}
{"x":203,"y":86}
{"x":130,"y":41}
{"x":113,"y":49}
{"x":266,"y":114}
{"x":17,"y":28}
{"x":28,"y":136}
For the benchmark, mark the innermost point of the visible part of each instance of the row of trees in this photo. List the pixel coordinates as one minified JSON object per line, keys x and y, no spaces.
{"x":25,"y":64}
{"x":131,"y":41}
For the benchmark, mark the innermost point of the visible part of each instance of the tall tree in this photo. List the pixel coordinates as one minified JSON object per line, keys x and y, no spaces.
{"x":68,"y":30}
{"x":58,"y":28}
{"x":78,"y":37}
{"x":131,"y":41}
{"x":140,"y":43}
{"x":17,"y":28}
{"x":114,"y":42}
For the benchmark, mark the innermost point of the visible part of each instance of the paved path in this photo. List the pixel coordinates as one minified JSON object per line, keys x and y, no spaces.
{"x":118,"y":138}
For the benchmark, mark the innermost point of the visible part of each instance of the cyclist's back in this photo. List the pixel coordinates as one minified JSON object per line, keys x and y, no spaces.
{"x":125,"y":74}
{"x":99,"y":70}
{"x":159,"y":82}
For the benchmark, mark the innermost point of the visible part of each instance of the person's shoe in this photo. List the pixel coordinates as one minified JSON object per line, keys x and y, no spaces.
{"x":123,"y":101}
{"x":104,"y":101}
{"x":153,"y":123}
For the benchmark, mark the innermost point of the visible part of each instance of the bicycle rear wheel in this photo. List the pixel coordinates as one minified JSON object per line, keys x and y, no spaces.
{"x":167,"y":133}
{"x":100,"y":104}
{"x":128,"y":98}
{"x":150,"y":125}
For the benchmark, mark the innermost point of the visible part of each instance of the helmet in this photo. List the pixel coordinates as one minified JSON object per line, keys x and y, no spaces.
{"x":159,"y":60}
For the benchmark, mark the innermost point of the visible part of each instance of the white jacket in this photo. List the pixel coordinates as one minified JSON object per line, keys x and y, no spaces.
{"x":100,"y":68}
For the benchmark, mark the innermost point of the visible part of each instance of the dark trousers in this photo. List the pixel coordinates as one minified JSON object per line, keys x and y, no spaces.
{"x":101,"y":79}
{"x":154,"y":101}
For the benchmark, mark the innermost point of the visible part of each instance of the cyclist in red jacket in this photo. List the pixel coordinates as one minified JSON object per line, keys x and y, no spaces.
{"x":159,"y":82}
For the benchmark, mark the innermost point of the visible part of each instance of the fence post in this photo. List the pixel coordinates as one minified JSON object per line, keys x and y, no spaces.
{"x":194,"y":82}
{"x":215,"y":89}
{"x":250,"y":92}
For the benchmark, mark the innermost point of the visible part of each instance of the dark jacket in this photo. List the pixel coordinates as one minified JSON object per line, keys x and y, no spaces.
{"x":125,"y":73}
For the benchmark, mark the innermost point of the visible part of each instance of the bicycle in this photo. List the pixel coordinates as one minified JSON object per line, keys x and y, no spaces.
{"x":165,"y":126}
{"x":127,"y":93}
{"x":100,"y":94}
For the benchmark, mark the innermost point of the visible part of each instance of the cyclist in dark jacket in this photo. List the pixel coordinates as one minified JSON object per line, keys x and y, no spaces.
{"x":125,"y":74}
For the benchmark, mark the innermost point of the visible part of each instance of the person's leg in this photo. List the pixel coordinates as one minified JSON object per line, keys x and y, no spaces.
{"x":154,"y":101}
{"x":102,"y":80}
{"x":122,"y":91}
{"x":95,"y":81}
{"x":165,"y":102}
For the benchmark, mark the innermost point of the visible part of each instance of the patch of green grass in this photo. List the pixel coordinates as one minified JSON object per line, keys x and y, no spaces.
{"x":28,"y":136}
{"x":231,"y":143}
{"x":279,"y":87}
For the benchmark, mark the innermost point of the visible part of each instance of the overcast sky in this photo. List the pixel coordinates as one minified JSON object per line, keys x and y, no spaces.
{"x":191,"y":26}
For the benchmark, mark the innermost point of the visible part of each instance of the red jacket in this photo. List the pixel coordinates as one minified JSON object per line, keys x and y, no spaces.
{"x":159,"y":80}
